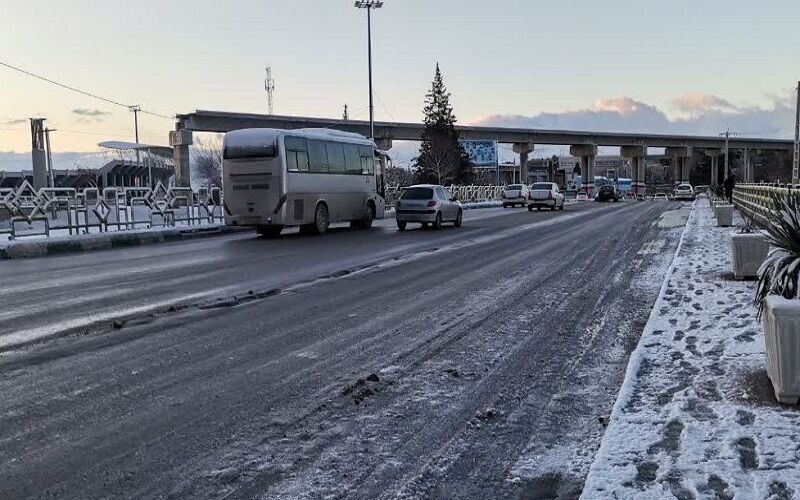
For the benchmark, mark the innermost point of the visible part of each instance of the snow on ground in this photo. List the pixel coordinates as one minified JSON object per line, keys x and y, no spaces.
{"x":696,"y":417}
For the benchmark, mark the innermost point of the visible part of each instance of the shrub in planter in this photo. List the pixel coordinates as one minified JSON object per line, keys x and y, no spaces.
{"x":778,"y":301}
{"x":750,"y":248}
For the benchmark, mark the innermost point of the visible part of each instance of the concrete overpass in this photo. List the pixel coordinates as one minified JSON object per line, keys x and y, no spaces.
{"x":582,"y":143}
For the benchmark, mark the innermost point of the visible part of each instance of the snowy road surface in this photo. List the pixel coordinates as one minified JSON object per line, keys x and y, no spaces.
{"x":472,"y":363}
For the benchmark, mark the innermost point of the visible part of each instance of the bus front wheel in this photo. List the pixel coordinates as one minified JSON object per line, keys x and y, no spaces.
{"x":365,"y":222}
{"x":321,"y":220}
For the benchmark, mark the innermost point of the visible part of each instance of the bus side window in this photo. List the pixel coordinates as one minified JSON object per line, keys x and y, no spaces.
{"x":352,"y":159}
{"x":317,"y":158}
{"x":367,"y":160}
{"x":335,"y":157}
{"x":296,"y":154}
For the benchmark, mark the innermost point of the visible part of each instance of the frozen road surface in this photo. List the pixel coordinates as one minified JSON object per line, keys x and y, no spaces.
{"x":468,"y":363}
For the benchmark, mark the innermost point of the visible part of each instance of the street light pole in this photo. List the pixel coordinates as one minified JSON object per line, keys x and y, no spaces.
{"x":135,"y":109}
{"x":369,"y":5}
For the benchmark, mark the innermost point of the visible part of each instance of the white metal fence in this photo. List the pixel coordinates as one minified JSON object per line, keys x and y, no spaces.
{"x":464,"y":193}
{"x":28,"y":212}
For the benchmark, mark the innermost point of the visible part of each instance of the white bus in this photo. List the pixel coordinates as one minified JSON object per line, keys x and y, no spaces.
{"x":309,"y":178}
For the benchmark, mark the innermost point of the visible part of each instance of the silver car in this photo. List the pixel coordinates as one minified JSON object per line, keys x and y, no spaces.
{"x":427,"y":204}
{"x":514,"y":194}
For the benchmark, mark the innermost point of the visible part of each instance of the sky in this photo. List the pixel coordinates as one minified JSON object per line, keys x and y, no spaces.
{"x":617,"y":65}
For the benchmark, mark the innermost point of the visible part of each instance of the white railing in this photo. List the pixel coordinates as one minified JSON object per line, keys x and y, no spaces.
{"x":25,"y":211}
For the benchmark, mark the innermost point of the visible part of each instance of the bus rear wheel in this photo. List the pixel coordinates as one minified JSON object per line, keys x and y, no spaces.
{"x":321,"y":220}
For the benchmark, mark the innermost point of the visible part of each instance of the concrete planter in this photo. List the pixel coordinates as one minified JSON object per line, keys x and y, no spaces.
{"x":749,"y":251}
{"x":724,"y":215}
{"x":782,"y":340}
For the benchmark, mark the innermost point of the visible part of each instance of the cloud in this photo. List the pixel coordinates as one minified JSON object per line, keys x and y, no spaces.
{"x":90,"y":112}
{"x":699,"y":102}
{"x":710,"y":115}
{"x":86,"y":115}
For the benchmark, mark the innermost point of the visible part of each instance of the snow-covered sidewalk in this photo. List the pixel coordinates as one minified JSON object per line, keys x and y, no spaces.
{"x":696,"y":417}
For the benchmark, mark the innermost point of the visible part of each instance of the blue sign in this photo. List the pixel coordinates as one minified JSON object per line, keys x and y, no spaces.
{"x":481,"y":153}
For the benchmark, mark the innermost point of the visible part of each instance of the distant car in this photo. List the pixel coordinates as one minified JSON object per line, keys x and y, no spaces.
{"x":581,"y":196}
{"x":630,"y":195}
{"x":427,"y":204}
{"x":661,"y":196}
{"x":684,"y":192}
{"x":515,"y":194}
{"x":607,"y":192}
{"x":545,"y":195}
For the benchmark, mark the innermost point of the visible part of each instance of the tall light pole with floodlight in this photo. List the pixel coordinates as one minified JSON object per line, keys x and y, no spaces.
{"x":369,"y":5}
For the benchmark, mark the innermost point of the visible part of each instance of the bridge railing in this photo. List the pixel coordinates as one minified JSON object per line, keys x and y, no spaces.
{"x":25,"y":211}
{"x":466,"y":193}
{"x":756,"y":200}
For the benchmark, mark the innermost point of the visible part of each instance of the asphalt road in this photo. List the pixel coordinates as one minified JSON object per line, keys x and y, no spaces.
{"x":468,"y":363}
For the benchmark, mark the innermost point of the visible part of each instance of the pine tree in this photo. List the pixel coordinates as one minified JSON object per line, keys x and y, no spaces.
{"x":442,"y":159}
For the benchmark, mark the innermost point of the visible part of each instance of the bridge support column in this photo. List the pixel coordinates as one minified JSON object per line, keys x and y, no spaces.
{"x":180,"y":140}
{"x":383,"y":143}
{"x":682,"y":161}
{"x":523,"y":149}
{"x":587,"y":154}
{"x":638,"y":157}
{"x":714,"y":155}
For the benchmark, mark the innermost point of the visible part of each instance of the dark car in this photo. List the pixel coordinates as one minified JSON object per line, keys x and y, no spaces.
{"x":607,"y":192}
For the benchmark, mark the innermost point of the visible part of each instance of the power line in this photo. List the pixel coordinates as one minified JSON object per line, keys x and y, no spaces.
{"x":74,"y":89}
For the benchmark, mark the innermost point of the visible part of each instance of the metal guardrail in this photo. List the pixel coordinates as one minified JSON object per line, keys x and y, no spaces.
{"x":756,"y":200}
{"x":468,"y":193}
{"x":25,"y":211}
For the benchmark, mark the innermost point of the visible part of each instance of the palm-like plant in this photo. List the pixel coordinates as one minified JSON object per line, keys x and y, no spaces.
{"x":780,"y":271}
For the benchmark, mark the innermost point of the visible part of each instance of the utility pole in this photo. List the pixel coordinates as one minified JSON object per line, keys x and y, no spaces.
{"x":369,"y":5}
{"x":135,"y":109}
{"x":269,"y":88}
{"x":50,"y":175}
{"x":796,"y":158}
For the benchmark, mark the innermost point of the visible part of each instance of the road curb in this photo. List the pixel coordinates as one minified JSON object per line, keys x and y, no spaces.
{"x":26,"y":249}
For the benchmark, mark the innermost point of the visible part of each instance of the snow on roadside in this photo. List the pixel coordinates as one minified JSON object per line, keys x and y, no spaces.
{"x":696,"y":416}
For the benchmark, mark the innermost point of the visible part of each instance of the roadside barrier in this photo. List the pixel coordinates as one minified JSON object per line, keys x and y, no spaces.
{"x":25,"y":211}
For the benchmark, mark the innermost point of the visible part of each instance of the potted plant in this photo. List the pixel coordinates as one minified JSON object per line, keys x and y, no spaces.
{"x":750,"y":248}
{"x":778,"y":301}
{"x":724,"y":213}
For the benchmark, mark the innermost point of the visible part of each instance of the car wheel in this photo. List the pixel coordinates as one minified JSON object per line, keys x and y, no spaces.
{"x":530,"y":208}
{"x":321,"y":220}
{"x":553,"y":208}
{"x":437,"y":225}
{"x":401,"y":225}
{"x":505,"y":205}
{"x":538,"y":209}
{"x":459,"y":219}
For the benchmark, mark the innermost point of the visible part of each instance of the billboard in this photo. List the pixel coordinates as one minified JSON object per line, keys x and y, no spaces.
{"x":481,"y":153}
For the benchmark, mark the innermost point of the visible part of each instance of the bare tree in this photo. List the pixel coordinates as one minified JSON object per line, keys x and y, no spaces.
{"x":207,"y":160}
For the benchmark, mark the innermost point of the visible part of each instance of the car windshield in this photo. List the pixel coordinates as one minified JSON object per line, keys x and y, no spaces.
{"x":542,"y":186}
{"x":684,"y":187}
{"x":513,"y":187}
{"x":417,"y":193}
